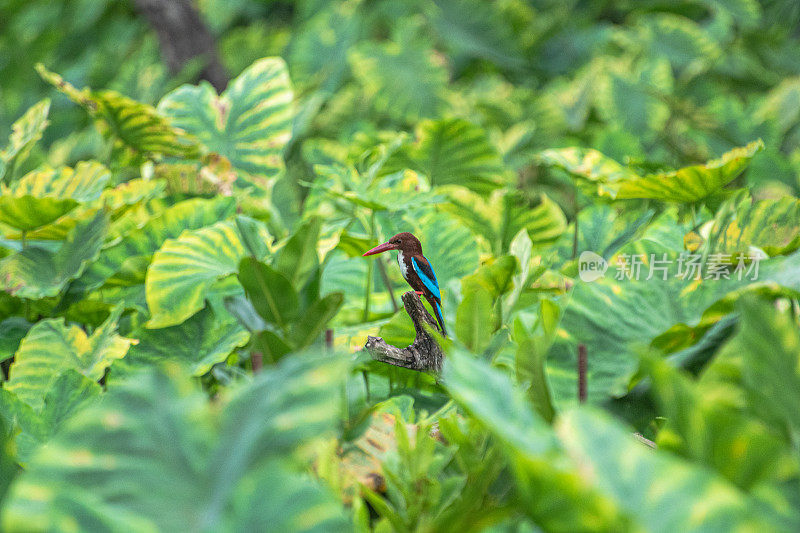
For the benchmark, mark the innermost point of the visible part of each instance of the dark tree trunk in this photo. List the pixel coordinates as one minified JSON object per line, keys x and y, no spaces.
{"x":183,"y":35}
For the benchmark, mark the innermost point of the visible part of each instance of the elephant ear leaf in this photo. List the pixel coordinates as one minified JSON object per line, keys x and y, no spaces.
{"x":693,"y":183}
{"x":184,"y":270}
{"x":219,"y":459}
{"x":37,"y":272}
{"x":25,"y":132}
{"x":249,"y":123}
{"x":135,"y":125}
{"x":452,"y":152}
{"x":197,"y":344}
{"x":43,"y":196}
{"x":51,"y":348}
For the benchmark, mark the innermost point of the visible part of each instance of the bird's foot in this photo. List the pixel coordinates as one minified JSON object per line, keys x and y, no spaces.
{"x":419,"y":292}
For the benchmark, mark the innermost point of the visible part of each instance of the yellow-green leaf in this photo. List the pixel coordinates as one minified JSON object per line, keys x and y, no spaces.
{"x":37,"y":272}
{"x":25,"y":132}
{"x":690,"y":184}
{"x":51,"y":347}
{"x":43,"y":196}
{"x":249,"y":123}
{"x":452,"y":152}
{"x":184,"y":269}
{"x":136,"y":125}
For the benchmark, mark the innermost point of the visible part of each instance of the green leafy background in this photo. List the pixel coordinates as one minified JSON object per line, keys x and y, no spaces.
{"x":183,"y":297}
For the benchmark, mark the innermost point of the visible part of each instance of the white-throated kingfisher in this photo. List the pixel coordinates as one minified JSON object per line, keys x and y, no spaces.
{"x":416,"y":270}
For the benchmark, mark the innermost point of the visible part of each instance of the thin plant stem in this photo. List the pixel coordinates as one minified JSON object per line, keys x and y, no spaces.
{"x":365,"y":374}
{"x":575,"y":237}
{"x":370,"y":268}
{"x":577,"y":212}
{"x":27,"y":303}
{"x":582,"y":368}
{"x":388,"y":283}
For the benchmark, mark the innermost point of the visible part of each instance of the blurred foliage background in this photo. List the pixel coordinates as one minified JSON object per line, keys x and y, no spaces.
{"x":172,"y":254}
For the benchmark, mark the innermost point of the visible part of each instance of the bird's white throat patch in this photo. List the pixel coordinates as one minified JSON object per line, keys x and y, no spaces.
{"x":401,"y":260}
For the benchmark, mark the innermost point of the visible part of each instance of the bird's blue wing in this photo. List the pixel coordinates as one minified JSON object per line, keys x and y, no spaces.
{"x":425,"y":272}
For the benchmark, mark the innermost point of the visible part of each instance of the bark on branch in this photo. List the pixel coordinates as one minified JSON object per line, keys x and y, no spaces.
{"x":182,"y":36}
{"x":424,"y":354}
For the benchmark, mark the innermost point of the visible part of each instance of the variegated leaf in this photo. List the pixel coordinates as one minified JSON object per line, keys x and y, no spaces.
{"x":37,"y":272}
{"x":690,"y":184}
{"x":43,"y":196}
{"x":249,"y":123}
{"x":187,"y":464}
{"x":138,"y":126}
{"x":184,"y":269}
{"x":25,"y":132}
{"x":51,"y":347}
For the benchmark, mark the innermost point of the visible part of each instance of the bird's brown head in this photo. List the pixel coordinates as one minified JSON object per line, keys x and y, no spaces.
{"x":404,"y":241}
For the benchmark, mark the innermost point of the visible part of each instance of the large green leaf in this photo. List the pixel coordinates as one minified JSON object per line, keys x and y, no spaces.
{"x":763,"y":359}
{"x":403,"y":77}
{"x":496,"y":277}
{"x":477,"y":29}
{"x":586,"y":163}
{"x":308,"y":328}
{"x":145,"y":241}
{"x":271,"y":293}
{"x":690,"y":184}
{"x":43,"y":196}
{"x":127,"y":204}
{"x":704,"y":422}
{"x":28,"y":212}
{"x":660,"y":492}
{"x":318,"y":51}
{"x":131,"y":193}
{"x":184,"y":269}
{"x":8,"y":464}
{"x":612,"y":317}
{"x":633,"y":97}
{"x":477,"y":316}
{"x":452,"y":152}
{"x":782,"y":105}
{"x":69,"y":392}
{"x":602,"y":229}
{"x":475,"y":319}
{"x":37,"y":272}
{"x":298,"y":258}
{"x":680,"y":40}
{"x":25,"y":132}
{"x":769,"y":225}
{"x":136,"y":125}
{"x":499,"y":218}
{"x":553,"y":492}
{"x":250,"y":123}
{"x":12,"y":331}
{"x":51,"y":347}
{"x":197,"y":344}
{"x":82,"y":184}
{"x":592,"y":474}
{"x":187,"y":465}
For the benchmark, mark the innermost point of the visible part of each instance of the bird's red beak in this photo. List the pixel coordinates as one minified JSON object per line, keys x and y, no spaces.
{"x":380,"y":248}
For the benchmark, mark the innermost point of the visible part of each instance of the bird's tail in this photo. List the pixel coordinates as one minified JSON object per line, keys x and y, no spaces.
{"x":437,"y":308}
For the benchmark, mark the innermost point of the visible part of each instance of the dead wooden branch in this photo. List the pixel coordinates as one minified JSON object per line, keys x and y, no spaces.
{"x":424,"y":354}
